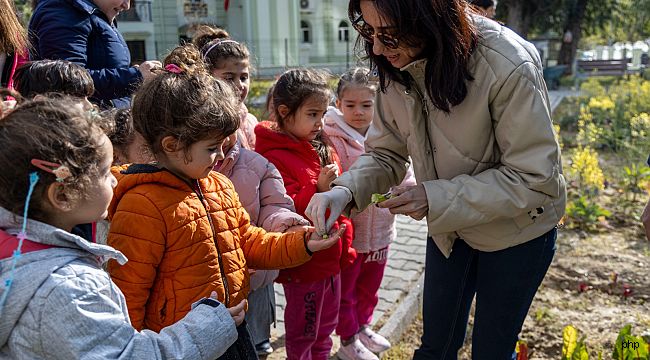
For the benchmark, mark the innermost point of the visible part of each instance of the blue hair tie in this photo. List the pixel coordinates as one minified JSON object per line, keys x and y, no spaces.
{"x":22,"y":235}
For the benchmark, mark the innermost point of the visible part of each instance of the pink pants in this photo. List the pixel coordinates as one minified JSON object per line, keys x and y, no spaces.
{"x":360,"y":284}
{"x":310,"y":317}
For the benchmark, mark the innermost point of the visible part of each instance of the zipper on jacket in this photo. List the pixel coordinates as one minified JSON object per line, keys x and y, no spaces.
{"x":425,"y":110}
{"x":199,"y":193}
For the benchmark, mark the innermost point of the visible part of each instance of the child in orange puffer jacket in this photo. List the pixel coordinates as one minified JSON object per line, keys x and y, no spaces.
{"x":180,"y":224}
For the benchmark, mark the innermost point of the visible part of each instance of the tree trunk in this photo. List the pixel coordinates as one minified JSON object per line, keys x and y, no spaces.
{"x":516,"y":19}
{"x":574,"y":25}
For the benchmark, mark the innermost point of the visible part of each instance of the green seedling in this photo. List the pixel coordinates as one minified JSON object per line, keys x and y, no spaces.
{"x":377,"y":198}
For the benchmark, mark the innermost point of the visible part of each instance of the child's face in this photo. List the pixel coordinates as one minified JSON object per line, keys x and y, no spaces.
{"x":358,"y":107}
{"x":307,"y":122}
{"x":94,"y":206}
{"x":198,"y":160}
{"x":236,"y":72}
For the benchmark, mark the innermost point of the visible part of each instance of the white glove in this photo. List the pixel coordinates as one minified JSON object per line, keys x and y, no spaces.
{"x":336,"y":200}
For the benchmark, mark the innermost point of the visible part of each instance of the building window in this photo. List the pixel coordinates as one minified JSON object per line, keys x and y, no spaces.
{"x":137,"y":50}
{"x":344,"y":32}
{"x":306,"y":32}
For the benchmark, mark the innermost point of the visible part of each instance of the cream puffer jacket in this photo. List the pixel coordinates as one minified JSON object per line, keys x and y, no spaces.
{"x":491,"y":167}
{"x":374,"y":228}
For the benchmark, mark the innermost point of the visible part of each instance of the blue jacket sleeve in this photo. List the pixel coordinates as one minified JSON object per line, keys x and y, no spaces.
{"x":63,"y":33}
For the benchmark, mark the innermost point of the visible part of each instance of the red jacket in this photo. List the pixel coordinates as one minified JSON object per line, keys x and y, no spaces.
{"x":299,"y":166}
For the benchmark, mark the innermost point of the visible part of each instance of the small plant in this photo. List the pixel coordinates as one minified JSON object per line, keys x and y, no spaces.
{"x":630,"y":347}
{"x":585,"y":170}
{"x":573,"y":348}
{"x":592,"y":87}
{"x":541,"y":314}
{"x":589,"y":134}
{"x":586,"y":214}
{"x":634,"y":179}
{"x":522,"y":350}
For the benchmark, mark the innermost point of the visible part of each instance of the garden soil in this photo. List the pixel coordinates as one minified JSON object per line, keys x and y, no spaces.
{"x":598,"y":283}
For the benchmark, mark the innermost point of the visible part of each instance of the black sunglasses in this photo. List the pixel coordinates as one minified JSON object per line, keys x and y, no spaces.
{"x":368,"y":33}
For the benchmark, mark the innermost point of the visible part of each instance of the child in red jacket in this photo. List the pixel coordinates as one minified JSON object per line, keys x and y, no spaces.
{"x":296,"y":145}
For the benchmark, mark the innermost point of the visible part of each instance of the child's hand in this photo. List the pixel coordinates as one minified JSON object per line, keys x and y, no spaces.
{"x":327,"y":174}
{"x":237,"y":312}
{"x":321,"y":242}
{"x":296,"y":228}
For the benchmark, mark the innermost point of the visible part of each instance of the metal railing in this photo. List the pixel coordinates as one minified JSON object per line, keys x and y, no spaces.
{"x":140,"y":11}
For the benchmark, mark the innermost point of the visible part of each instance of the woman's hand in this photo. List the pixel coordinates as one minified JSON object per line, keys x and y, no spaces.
{"x":327,"y":174}
{"x":335,"y":200}
{"x":407,"y":200}
{"x":147,"y":67}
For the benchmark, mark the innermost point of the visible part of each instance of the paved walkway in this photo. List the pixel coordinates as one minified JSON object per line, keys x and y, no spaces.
{"x":404,"y":269}
{"x":404,"y":266}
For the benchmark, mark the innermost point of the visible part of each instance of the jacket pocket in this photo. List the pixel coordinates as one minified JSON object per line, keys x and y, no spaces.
{"x":167,"y":303}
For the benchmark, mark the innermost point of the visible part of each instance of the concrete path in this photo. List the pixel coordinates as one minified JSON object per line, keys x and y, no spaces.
{"x":401,"y":289}
{"x":404,"y":267}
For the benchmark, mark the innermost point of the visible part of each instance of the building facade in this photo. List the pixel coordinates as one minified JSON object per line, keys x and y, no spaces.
{"x":279,"y":33}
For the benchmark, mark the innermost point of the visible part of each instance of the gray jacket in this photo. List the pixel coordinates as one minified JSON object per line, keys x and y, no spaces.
{"x":491,"y":167}
{"x":62,"y":305}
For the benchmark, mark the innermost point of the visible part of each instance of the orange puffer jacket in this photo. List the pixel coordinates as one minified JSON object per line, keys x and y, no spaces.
{"x":184,"y":241}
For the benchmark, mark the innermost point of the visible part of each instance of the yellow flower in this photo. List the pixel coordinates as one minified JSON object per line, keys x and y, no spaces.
{"x":588,"y":132}
{"x":640,"y":125}
{"x":585,"y":168}
{"x":604,"y":103}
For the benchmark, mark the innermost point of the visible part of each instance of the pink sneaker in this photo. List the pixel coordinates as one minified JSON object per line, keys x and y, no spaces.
{"x":355,"y":351}
{"x":373,"y":341}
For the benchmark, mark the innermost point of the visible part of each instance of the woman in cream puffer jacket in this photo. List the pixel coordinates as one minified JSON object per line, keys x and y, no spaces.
{"x":465,"y":98}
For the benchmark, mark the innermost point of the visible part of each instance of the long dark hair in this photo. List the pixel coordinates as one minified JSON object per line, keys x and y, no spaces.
{"x":449,"y":38}
{"x":13,"y":37}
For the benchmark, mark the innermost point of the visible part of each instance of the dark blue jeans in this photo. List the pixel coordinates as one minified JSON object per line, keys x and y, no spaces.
{"x":504,"y":282}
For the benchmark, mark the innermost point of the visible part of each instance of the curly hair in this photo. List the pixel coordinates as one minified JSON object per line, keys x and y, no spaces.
{"x":53,"y":76}
{"x":122,"y":133}
{"x":55,"y":130}
{"x":190,"y":106}
{"x":216,"y":46}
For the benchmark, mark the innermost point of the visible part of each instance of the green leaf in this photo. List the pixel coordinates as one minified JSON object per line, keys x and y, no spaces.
{"x":377,"y":198}
{"x":581,"y":352}
{"x":618,"y":353}
{"x":569,"y":342}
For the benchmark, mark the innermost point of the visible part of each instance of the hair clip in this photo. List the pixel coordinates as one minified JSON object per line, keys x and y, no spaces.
{"x":173,"y":68}
{"x":61,"y":172}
